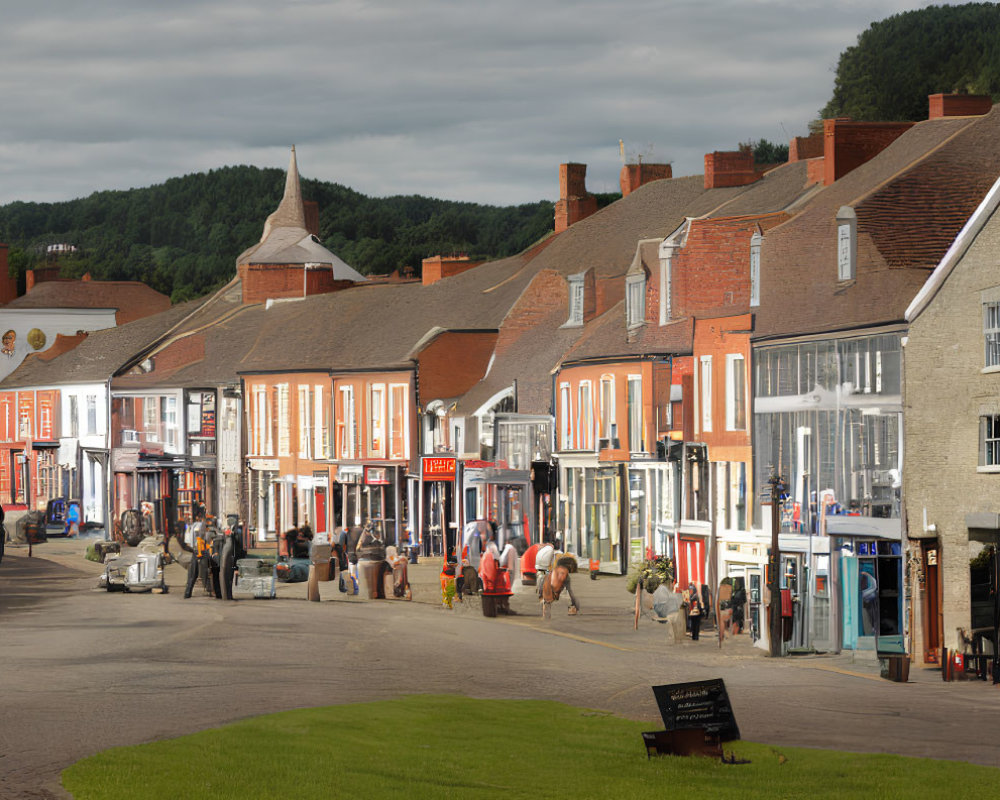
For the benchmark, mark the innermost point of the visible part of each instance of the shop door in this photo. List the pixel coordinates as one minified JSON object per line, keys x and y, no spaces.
{"x":931,"y":601}
{"x":754,"y":582}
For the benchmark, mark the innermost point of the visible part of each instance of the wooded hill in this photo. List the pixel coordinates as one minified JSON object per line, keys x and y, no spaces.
{"x":182,"y":237}
{"x":900,"y":60}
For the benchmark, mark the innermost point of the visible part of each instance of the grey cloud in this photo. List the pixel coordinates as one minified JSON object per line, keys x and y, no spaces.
{"x":472,"y":101}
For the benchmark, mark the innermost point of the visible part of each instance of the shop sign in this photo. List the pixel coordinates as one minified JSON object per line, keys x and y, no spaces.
{"x":349,"y":474}
{"x":377,"y":476}
{"x":264,"y":464}
{"x":439,"y":469}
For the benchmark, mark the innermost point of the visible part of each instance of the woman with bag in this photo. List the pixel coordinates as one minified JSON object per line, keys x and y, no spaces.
{"x":694,"y":611}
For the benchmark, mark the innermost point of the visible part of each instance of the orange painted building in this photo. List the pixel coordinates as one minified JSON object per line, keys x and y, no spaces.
{"x":29,"y":438}
{"x":328,"y":450}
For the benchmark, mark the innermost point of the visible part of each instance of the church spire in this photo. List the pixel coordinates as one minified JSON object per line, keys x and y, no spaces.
{"x":291,"y":211}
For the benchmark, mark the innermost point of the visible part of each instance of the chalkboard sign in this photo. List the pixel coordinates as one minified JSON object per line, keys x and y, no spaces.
{"x":700,"y":704}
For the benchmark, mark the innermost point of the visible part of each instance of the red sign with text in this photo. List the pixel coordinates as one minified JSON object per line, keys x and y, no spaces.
{"x":439,"y":469}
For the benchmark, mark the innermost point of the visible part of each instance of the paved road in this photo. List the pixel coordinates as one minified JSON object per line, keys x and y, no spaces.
{"x":84,"y":670}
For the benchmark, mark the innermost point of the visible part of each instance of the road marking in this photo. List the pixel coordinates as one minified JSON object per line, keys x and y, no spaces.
{"x":573,"y":636}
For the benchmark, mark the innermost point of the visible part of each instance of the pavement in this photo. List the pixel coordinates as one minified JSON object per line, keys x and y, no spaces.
{"x":84,"y":670}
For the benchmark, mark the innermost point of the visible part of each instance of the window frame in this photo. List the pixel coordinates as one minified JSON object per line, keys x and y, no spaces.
{"x":635,"y":300}
{"x":755,"y":243}
{"x":736,"y":393}
{"x":705,"y":393}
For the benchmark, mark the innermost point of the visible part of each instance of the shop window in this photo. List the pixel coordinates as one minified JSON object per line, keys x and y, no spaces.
{"x":755,"y":242}
{"x":736,"y":396}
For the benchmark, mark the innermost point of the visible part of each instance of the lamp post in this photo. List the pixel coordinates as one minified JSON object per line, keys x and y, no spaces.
{"x":774,"y":568}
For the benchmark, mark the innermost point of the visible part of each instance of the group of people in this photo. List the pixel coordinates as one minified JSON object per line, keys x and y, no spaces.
{"x":214,"y":554}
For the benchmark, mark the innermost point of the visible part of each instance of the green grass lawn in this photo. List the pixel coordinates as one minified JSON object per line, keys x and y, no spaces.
{"x":426,"y":746}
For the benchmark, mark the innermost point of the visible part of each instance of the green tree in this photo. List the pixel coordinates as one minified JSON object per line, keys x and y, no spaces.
{"x":899,"y":61}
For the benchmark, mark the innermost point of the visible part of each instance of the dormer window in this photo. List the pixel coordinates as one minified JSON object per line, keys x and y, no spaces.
{"x":575,"y":300}
{"x":847,"y":245}
{"x":635,"y":300}
{"x":755,"y":241}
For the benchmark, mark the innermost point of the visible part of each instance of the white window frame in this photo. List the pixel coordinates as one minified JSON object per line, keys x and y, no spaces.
{"x":608,"y":419}
{"x":847,"y":244}
{"x":170,"y":425}
{"x":577,"y":297}
{"x":989,"y":446}
{"x":262,"y":422}
{"x":404,"y":417}
{"x":636,"y":439}
{"x":321,"y":430}
{"x":346,"y":443}
{"x":585,"y":416}
{"x":705,"y":392}
{"x":376,"y":420}
{"x":565,"y":417}
{"x":755,"y":242}
{"x":635,"y":300}
{"x":284,"y":420}
{"x":305,"y":422}
{"x":92,"y":423}
{"x":736,"y":392}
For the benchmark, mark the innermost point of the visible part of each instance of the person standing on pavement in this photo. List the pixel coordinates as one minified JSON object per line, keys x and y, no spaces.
{"x":695,"y":611}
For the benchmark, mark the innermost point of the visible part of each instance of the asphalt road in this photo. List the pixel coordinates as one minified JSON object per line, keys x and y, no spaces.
{"x":83,"y":670}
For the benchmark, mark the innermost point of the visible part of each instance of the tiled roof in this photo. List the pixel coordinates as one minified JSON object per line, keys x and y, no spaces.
{"x":910,"y":200}
{"x":98,"y":356}
{"x":368,"y":326}
{"x":132,"y":298}
{"x":605,"y":337}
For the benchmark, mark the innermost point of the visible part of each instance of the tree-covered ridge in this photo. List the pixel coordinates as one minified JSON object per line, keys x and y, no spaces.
{"x":182,"y":237}
{"x":900,"y":60}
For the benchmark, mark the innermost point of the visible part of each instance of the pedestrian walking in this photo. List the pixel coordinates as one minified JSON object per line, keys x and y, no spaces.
{"x":695,"y":611}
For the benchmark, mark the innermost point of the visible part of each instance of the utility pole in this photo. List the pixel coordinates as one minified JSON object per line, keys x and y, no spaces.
{"x":774,"y":568}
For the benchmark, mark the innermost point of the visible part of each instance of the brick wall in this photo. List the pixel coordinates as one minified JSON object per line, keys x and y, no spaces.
{"x":437,"y":267}
{"x":958,"y":105}
{"x":729,"y":168}
{"x":711,"y":273}
{"x":633,"y":176}
{"x":39,"y":275}
{"x":802,"y":148}
{"x":848,"y":144}
{"x":547,"y":294}
{"x":454,"y":362}
{"x":574,"y":202}
{"x":272,"y":281}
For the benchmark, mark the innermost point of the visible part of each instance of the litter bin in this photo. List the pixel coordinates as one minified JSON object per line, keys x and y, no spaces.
{"x":898,"y":667}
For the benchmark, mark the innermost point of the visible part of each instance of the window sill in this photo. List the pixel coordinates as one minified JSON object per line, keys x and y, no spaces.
{"x":989,"y":370}
{"x":992,"y":468}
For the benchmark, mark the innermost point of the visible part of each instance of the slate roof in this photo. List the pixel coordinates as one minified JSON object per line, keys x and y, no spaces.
{"x":98,"y":356}
{"x":369,"y":326}
{"x":911,"y":200}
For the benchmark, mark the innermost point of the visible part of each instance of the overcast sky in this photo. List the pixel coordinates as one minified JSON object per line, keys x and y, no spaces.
{"x":476,"y":101}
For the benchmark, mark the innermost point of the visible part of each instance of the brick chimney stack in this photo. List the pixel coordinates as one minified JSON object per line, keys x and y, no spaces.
{"x":958,"y":105}
{"x":574,"y":201}
{"x":635,"y":175}
{"x":848,"y":144}
{"x":729,"y":168}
